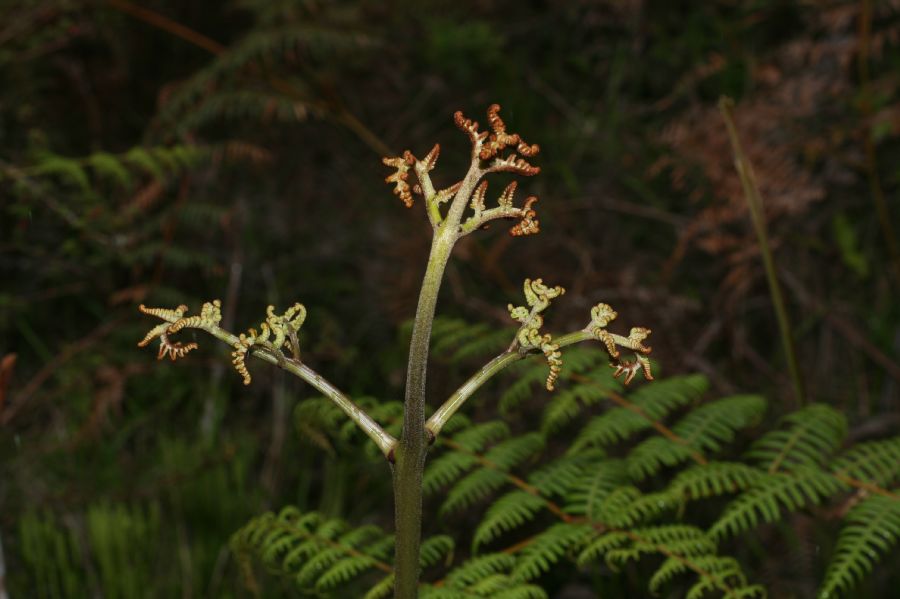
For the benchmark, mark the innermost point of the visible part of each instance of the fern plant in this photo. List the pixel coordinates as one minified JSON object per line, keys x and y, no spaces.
{"x":663,"y":476}
{"x":277,"y":340}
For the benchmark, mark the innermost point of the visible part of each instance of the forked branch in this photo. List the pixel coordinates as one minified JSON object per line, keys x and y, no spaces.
{"x":530,"y":340}
{"x":486,"y":158}
{"x":278,"y":332}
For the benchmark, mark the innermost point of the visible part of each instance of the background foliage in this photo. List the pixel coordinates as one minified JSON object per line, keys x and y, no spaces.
{"x":173,"y":152}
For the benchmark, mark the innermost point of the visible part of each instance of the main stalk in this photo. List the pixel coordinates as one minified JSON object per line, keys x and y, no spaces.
{"x":409,"y":457}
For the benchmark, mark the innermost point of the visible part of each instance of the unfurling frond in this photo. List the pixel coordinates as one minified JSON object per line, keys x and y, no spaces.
{"x":500,"y":139}
{"x":470,"y":128}
{"x":174,"y":349}
{"x":603,"y":314}
{"x":506,"y":198}
{"x":538,"y":297}
{"x":477,"y":202}
{"x":400,"y":177}
{"x":284,"y":327}
{"x":529,"y":225}
{"x":210,"y":316}
{"x":431,"y":158}
{"x":485,"y":159}
{"x":513,"y":164}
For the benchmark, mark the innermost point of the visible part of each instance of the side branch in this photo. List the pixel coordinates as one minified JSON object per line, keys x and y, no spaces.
{"x":529,"y":340}
{"x":260,"y":347}
{"x":500,"y":362}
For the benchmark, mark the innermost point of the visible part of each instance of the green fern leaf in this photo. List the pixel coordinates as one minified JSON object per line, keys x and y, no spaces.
{"x":703,"y":430}
{"x":343,"y":571}
{"x":652,"y":402}
{"x":110,"y":167}
{"x":434,"y":549}
{"x":548,"y":547}
{"x":814,"y":434}
{"x":872,"y":529}
{"x":567,"y":404}
{"x":713,"y":479}
{"x":382,"y":590}
{"x":446,"y":469}
{"x":531,"y":375}
{"x":876,"y":462}
{"x":479,"y":568}
{"x":588,"y":494}
{"x":507,"y":513}
{"x":562,"y":474}
{"x":481,"y":435}
{"x":773,"y":493}
{"x":627,"y":506}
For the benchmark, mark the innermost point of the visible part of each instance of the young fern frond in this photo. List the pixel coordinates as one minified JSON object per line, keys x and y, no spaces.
{"x":871,"y":530}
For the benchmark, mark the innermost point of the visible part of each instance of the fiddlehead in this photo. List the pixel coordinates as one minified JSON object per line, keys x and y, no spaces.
{"x":486,"y":149}
{"x":538,"y":297}
{"x":603,"y":314}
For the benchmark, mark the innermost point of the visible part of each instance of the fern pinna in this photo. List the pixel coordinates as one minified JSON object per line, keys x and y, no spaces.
{"x":661,"y":477}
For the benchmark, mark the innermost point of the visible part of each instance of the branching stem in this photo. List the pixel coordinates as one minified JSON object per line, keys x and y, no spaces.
{"x":510,"y":356}
{"x":372,"y":429}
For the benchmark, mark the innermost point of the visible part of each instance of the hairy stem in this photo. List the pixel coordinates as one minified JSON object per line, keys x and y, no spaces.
{"x":409,"y":455}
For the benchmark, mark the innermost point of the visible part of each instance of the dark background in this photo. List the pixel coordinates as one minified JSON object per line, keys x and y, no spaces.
{"x":178,"y":151}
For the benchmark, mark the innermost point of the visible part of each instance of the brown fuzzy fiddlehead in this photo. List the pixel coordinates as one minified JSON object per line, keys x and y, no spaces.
{"x":487,"y":147}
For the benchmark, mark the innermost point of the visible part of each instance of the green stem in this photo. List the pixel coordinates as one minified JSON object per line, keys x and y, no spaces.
{"x":372,"y":429}
{"x":409,"y":455}
{"x":754,"y":202}
{"x":459,"y":397}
